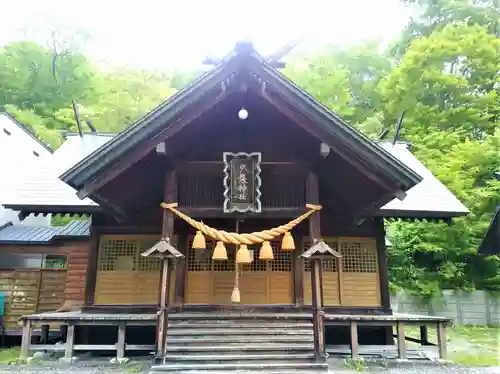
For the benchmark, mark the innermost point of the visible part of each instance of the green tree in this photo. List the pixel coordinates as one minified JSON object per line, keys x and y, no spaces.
{"x":447,"y":81}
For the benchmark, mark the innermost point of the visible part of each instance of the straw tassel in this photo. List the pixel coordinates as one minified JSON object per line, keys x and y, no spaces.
{"x":243,"y":255}
{"x":220,"y":252}
{"x":288,"y":244}
{"x":199,"y":241}
{"x":266,"y":251}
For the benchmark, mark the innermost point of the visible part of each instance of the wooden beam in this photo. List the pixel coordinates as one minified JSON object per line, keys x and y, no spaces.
{"x":169,"y":130}
{"x":91,"y":276}
{"x":385,"y":296}
{"x":217,"y":212}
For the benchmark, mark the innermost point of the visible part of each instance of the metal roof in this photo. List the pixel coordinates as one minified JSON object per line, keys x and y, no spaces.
{"x":429,"y":198}
{"x":41,"y":187}
{"x":25,"y":129}
{"x":43,"y":235}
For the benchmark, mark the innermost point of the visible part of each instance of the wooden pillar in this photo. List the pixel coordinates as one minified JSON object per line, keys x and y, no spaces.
{"x":26,"y":340}
{"x":424,"y":335}
{"x":170,"y":195}
{"x":354,"y":339}
{"x":385,"y":296}
{"x":441,"y":339}
{"x":70,"y":341}
{"x":312,"y":195}
{"x":298,"y":276}
{"x":401,"y":340}
{"x":180,"y":271}
{"x":120,"y":344}
{"x":44,"y":334}
{"x":91,"y":275}
{"x":317,"y":306}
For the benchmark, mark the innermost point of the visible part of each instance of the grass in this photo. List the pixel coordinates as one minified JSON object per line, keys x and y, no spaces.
{"x":9,"y":356}
{"x":468,"y":345}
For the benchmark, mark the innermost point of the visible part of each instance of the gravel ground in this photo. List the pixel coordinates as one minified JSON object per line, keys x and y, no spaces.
{"x":407,"y":368}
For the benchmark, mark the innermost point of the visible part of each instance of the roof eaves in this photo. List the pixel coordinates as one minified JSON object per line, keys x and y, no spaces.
{"x":419,"y":214}
{"x":142,"y":128}
{"x":325,"y":117}
{"x":25,"y":129}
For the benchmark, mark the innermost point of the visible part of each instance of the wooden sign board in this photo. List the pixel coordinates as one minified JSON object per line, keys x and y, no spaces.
{"x":242,"y":182}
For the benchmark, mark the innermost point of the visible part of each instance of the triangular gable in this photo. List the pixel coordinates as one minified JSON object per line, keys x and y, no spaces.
{"x":175,"y":113}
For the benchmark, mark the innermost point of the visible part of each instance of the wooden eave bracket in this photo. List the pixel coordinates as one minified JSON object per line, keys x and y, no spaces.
{"x":163,"y":249}
{"x":320,"y":250}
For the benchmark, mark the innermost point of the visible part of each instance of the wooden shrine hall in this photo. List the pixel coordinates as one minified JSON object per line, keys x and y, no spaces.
{"x":241,"y":221}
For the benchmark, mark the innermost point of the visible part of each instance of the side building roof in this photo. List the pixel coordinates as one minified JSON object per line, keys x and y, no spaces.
{"x":13,"y":234}
{"x":428,"y":199}
{"x":41,"y":190}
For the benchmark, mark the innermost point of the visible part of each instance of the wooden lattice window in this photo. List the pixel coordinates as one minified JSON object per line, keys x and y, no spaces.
{"x":328,"y":264}
{"x":199,"y":259}
{"x":282,"y":259}
{"x":359,"y":256}
{"x":125,"y":255}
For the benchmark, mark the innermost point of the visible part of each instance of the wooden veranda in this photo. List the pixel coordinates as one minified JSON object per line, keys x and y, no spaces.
{"x":70,"y":320}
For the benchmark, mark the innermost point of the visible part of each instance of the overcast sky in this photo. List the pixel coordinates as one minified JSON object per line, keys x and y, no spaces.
{"x":155,"y":33}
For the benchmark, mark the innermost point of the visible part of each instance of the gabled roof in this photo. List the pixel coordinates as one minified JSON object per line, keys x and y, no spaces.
{"x":429,"y":198}
{"x":41,"y":190}
{"x":490,"y":245}
{"x":11,"y":234}
{"x":217,"y":82}
{"x":25,"y":129}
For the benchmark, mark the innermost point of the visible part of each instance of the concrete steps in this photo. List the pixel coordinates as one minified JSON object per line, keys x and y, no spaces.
{"x":263,"y":342}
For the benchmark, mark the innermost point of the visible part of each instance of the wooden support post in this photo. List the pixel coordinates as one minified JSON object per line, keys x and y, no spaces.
{"x":298,"y":277}
{"x":44,"y":334}
{"x":441,"y":339}
{"x":26,"y":340}
{"x":91,"y":275}
{"x":170,"y":195}
{"x":401,"y":340}
{"x":70,"y":341}
{"x":312,"y":195}
{"x":354,"y":339}
{"x":120,"y":344}
{"x":385,"y":296}
{"x":424,"y":336}
{"x":163,"y":313}
{"x":318,"y":314}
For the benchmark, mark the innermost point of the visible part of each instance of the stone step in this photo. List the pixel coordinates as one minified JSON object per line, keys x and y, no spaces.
{"x":231,"y":331}
{"x":217,"y":357}
{"x":239,"y":324}
{"x":260,"y":366}
{"x":284,"y":339}
{"x":241,"y":347}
